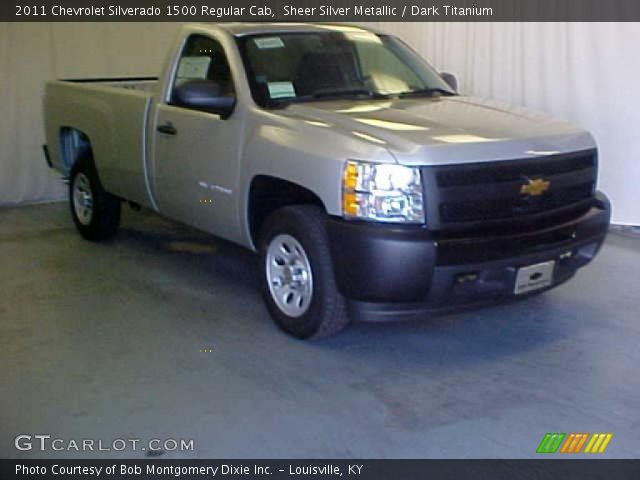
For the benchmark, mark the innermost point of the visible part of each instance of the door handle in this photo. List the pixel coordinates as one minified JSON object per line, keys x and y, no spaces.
{"x":167,"y":129}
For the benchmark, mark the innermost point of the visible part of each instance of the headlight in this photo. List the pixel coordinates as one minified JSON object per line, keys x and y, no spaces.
{"x":382,"y":192}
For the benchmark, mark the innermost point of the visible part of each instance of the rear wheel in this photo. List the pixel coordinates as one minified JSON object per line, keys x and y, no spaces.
{"x":95,"y":212}
{"x":297,"y":274}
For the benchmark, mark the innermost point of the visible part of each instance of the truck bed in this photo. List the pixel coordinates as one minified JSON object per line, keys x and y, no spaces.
{"x":112,"y":114}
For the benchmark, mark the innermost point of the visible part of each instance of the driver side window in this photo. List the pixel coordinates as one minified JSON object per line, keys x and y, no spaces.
{"x":203,"y":58}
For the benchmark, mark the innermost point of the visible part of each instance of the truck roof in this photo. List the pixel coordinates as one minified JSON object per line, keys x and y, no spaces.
{"x":241,"y":29}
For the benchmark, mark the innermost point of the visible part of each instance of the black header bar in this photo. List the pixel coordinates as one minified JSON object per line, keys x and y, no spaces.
{"x":320,"y":10}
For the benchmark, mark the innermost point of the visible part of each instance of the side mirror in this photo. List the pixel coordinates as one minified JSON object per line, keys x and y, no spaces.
{"x":204,"y":95}
{"x":451,"y":80}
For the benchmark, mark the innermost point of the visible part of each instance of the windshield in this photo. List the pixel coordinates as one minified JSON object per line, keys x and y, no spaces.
{"x":308,"y":66}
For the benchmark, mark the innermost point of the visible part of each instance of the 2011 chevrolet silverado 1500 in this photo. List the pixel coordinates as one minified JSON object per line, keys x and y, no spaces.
{"x":368,"y":185}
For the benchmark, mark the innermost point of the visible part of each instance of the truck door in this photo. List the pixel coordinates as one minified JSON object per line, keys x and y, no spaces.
{"x":195,"y":152}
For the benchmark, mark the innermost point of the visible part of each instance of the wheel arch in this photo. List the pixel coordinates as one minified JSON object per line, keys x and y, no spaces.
{"x":269,"y":193}
{"x":74,"y":144}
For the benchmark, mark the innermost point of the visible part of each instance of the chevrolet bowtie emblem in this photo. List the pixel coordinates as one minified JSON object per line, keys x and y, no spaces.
{"x":535,"y":187}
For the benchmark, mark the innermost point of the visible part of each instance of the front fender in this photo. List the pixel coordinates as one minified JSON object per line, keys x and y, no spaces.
{"x":306,"y":153}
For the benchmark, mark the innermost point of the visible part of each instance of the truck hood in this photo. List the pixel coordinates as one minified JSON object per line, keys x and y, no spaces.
{"x":445,"y":130}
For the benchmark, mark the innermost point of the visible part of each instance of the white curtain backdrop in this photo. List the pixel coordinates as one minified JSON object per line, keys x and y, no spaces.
{"x":584,"y":72}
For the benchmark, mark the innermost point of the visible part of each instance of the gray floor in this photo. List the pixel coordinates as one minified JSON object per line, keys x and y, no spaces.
{"x":108,"y":341}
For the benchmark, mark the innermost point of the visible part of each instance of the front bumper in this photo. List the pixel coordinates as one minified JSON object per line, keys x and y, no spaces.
{"x":399,"y":272}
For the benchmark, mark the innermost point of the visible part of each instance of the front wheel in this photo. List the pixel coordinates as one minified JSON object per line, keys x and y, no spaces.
{"x":297,"y":274}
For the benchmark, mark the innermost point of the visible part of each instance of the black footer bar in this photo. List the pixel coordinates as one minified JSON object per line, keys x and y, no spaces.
{"x":321,"y":469}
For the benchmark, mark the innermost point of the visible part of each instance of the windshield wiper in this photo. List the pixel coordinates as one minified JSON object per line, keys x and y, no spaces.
{"x":324,"y":94}
{"x":429,"y":92}
{"x":346,"y":92}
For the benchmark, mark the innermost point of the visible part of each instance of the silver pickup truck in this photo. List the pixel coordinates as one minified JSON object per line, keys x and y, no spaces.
{"x":369,"y":187}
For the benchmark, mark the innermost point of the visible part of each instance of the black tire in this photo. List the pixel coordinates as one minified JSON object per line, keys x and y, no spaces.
{"x":326,"y":313}
{"x":104,"y":219}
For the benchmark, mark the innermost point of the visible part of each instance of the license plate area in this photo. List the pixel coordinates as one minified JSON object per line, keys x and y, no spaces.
{"x":534,"y":277}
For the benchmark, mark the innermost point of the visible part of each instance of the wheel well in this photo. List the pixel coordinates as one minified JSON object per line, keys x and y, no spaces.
{"x":74,"y":144}
{"x":267,"y":194}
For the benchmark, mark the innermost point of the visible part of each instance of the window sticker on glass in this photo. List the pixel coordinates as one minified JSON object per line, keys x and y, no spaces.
{"x":268,"y":42}
{"x":193,"y":68}
{"x":281,"y":89}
